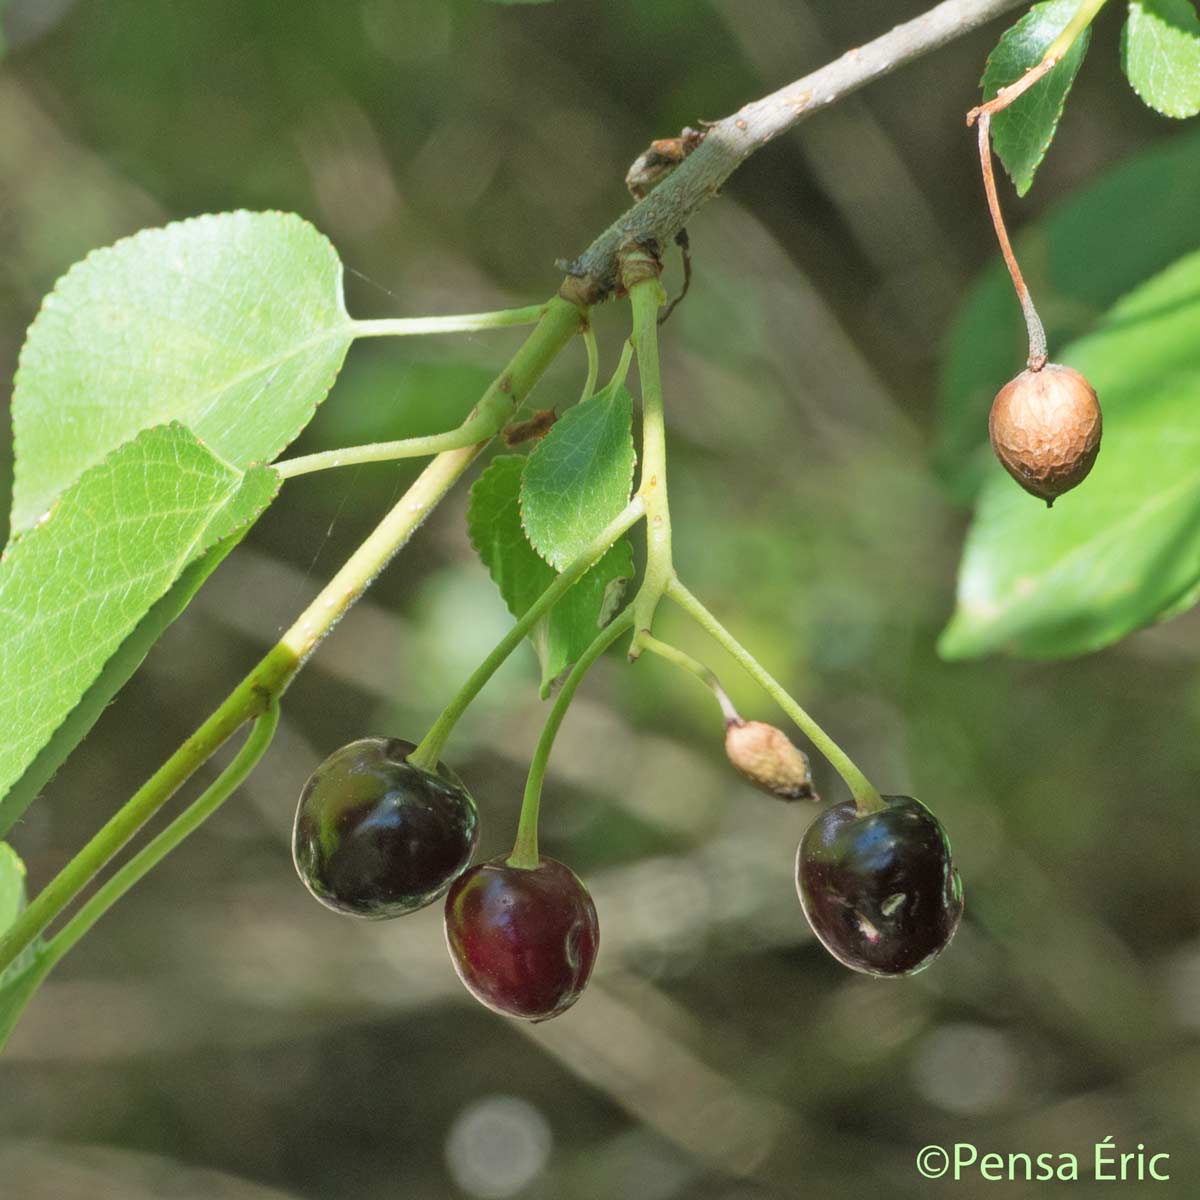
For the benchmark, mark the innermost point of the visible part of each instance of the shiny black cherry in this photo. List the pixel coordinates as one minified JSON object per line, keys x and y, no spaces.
{"x":378,"y":837}
{"x":880,"y":890}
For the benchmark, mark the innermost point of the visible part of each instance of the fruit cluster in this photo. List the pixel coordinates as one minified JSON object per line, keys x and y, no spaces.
{"x":376,"y":836}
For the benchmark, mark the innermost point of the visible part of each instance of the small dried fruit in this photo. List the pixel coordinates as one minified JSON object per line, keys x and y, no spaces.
{"x":768,"y":759}
{"x":1045,"y":428}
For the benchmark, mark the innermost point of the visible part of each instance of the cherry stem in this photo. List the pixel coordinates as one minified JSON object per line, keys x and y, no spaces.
{"x":593,"y":363}
{"x":230,"y":779}
{"x":646,"y":297}
{"x":706,"y":676}
{"x":983,"y":113}
{"x":1006,"y":95}
{"x":525,"y":850}
{"x":49,"y":954}
{"x":1033,"y":323}
{"x":426,"y":754}
{"x":623,"y":364}
{"x":866,"y":797}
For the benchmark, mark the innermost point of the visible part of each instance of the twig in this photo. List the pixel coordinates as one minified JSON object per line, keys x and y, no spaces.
{"x":657,"y":218}
{"x":1006,"y":95}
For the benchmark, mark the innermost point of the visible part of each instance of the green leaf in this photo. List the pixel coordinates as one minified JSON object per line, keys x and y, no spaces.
{"x":20,"y":980}
{"x":1160,"y":55}
{"x":232,"y":325}
{"x":77,"y":585}
{"x":1022,"y":132}
{"x":578,"y":478}
{"x":494,"y":522}
{"x":12,"y":886}
{"x":1078,"y":261}
{"x":1124,"y":547}
{"x":115,"y":674}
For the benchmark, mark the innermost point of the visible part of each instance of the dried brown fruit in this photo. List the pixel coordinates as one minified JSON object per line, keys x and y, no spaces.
{"x":1045,"y":428}
{"x":769,"y":760}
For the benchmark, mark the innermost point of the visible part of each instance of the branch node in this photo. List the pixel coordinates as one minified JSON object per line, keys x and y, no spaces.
{"x":640,"y":260}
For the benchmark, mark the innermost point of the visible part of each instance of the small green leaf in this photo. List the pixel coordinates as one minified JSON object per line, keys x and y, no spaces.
{"x":1022,"y":132}
{"x":578,"y":478}
{"x":1124,"y":547}
{"x":494,"y":522}
{"x":1160,"y":55}
{"x":77,"y":585}
{"x":1078,"y":260}
{"x":232,"y":325}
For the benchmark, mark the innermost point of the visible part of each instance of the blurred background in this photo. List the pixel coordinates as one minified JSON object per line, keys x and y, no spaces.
{"x":221,"y":1036}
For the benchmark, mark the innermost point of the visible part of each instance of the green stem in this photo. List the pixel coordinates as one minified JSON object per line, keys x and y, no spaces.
{"x":623,"y":364}
{"x":504,"y":318}
{"x":192,"y":817}
{"x":465,"y":435}
{"x":274,"y":672}
{"x":1085,"y":14}
{"x":483,"y":423}
{"x":525,"y":850}
{"x":593,"y":363}
{"x":646,"y":297}
{"x":706,"y":676}
{"x":50,"y":954}
{"x":866,"y":796}
{"x":426,"y":755}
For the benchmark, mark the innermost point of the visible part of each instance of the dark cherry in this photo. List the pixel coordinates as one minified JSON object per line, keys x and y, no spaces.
{"x":523,"y":940}
{"x":880,"y":891}
{"x":376,"y":836}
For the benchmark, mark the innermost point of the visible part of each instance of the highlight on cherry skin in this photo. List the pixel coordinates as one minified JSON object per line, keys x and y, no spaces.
{"x":880,"y":890}
{"x":378,"y":837}
{"x":523,"y":940}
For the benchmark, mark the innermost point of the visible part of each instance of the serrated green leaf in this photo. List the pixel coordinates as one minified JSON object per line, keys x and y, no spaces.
{"x":1160,"y":55}
{"x":233,"y":325}
{"x":494,"y":522}
{"x":1078,"y":261}
{"x":77,"y":585}
{"x":114,"y":675}
{"x":1124,"y":547}
{"x":578,"y":478}
{"x":1022,"y":132}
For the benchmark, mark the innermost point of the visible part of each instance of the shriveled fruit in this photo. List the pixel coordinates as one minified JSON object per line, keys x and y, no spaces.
{"x":766,"y":757}
{"x":523,"y":940}
{"x":376,"y":836}
{"x":880,"y":889}
{"x":1045,"y":428}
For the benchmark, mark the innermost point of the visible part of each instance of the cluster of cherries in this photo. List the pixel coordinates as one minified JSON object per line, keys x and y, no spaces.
{"x":376,"y":836}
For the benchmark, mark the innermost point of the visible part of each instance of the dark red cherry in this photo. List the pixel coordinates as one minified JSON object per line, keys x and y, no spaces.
{"x":523,"y":940}
{"x":376,"y":836}
{"x":880,"y":891}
